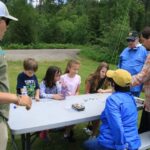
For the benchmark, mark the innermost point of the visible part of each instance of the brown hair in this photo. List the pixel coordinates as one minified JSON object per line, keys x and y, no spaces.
{"x":95,"y":77}
{"x":70,"y":63}
{"x":146,"y":33}
{"x":30,"y":64}
{"x":49,"y":78}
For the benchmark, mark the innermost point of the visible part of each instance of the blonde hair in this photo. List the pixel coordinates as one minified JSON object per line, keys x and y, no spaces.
{"x":70,"y":63}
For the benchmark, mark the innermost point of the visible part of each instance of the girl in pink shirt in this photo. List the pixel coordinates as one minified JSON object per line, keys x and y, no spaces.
{"x":71,"y":81}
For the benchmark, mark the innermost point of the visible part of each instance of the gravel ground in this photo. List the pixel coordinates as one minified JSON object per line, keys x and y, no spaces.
{"x":42,"y":54}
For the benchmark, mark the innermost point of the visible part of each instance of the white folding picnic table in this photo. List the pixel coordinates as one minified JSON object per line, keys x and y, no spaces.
{"x":50,"y":114}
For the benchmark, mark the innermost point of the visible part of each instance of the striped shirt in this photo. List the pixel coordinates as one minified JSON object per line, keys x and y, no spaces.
{"x":144,"y":77}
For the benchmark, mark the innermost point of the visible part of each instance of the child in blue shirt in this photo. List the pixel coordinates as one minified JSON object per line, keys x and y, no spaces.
{"x":27,"y":79}
{"x":118,"y":130}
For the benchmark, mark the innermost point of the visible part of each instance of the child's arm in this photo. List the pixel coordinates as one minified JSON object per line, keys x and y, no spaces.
{"x":37,"y":94}
{"x":37,"y":90}
{"x":49,"y":96}
{"x":20,"y":84}
{"x":78,"y":90}
{"x":78,"y":87}
{"x":107,"y":87}
{"x":42,"y":91}
{"x":57,"y":96}
{"x":105,"y":91}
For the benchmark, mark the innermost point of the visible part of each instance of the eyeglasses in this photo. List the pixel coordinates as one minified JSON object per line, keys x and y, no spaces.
{"x":6,"y":20}
{"x":130,"y":40}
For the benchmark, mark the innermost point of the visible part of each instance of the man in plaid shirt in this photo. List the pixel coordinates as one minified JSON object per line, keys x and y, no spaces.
{"x":144,"y":77}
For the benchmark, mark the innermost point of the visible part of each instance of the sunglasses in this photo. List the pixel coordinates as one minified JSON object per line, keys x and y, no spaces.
{"x":6,"y":20}
{"x":130,"y":40}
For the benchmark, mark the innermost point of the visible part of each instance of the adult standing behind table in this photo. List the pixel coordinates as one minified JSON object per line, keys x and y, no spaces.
{"x":144,"y":77}
{"x":132,"y":59}
{"x":6,"y":98}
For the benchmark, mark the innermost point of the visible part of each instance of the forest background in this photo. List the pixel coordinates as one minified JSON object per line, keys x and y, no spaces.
{"x":100,"y":27}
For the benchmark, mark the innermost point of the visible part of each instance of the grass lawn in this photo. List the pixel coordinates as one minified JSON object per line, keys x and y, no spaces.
{"x":57,"y":142}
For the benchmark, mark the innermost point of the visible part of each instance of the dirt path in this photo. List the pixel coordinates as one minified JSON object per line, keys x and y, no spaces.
{"x":42,"y":54}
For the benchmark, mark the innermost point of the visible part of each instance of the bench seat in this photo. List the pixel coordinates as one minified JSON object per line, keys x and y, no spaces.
{"x":145,"y":140}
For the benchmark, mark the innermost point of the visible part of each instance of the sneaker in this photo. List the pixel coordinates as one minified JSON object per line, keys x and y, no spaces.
{"x":88,"y":131}
{"x":92,"y":137}
{"x":70,"y":139}
{"x":71,"y":133}
{"x":44,"y":136}
{"x":89,"y":126}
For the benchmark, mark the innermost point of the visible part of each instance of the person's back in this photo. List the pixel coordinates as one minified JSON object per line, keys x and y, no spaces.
{"x":118,"y":130}
{"x":120,"y":106}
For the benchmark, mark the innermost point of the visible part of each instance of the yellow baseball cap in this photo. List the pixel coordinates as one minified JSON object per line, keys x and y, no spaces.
{"x":120,"y":76}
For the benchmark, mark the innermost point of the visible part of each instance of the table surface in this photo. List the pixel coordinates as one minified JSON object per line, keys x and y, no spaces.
{"x":50,"y":114}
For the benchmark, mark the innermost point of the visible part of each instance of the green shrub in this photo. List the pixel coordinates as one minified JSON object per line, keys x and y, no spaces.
{"x":99,"y":54}
{"x":41,"y":46}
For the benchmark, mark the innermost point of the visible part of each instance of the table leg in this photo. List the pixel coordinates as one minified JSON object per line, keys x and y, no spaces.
{"x":23,"y":141}
{"x":28,"y":142}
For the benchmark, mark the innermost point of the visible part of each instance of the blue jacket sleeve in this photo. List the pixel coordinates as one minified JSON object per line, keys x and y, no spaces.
{"x":113,"y":115}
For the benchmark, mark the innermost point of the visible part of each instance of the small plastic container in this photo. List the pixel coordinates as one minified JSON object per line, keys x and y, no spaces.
{"x":59,"y":87}
{"x":78,"y":107}
{"x":64,"y":91}
{"x":24,"y":91}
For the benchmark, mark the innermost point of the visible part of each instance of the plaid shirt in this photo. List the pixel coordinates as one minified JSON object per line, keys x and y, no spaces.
{"x":144,"y":77}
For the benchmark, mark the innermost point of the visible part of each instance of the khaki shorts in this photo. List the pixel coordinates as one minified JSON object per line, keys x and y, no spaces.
{"x":3,"y":135}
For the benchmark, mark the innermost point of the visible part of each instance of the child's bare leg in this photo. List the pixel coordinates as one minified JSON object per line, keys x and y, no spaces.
{"x":68,"y":130}
{"x":95,"y":124}
{"x":68,"y":134}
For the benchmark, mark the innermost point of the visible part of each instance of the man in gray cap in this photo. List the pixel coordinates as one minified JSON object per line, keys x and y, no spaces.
{"x":6,"y":98}
{"x":132,"y":59}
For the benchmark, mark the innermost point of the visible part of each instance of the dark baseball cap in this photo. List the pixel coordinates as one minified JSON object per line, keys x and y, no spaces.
{"x":133,"y":35}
